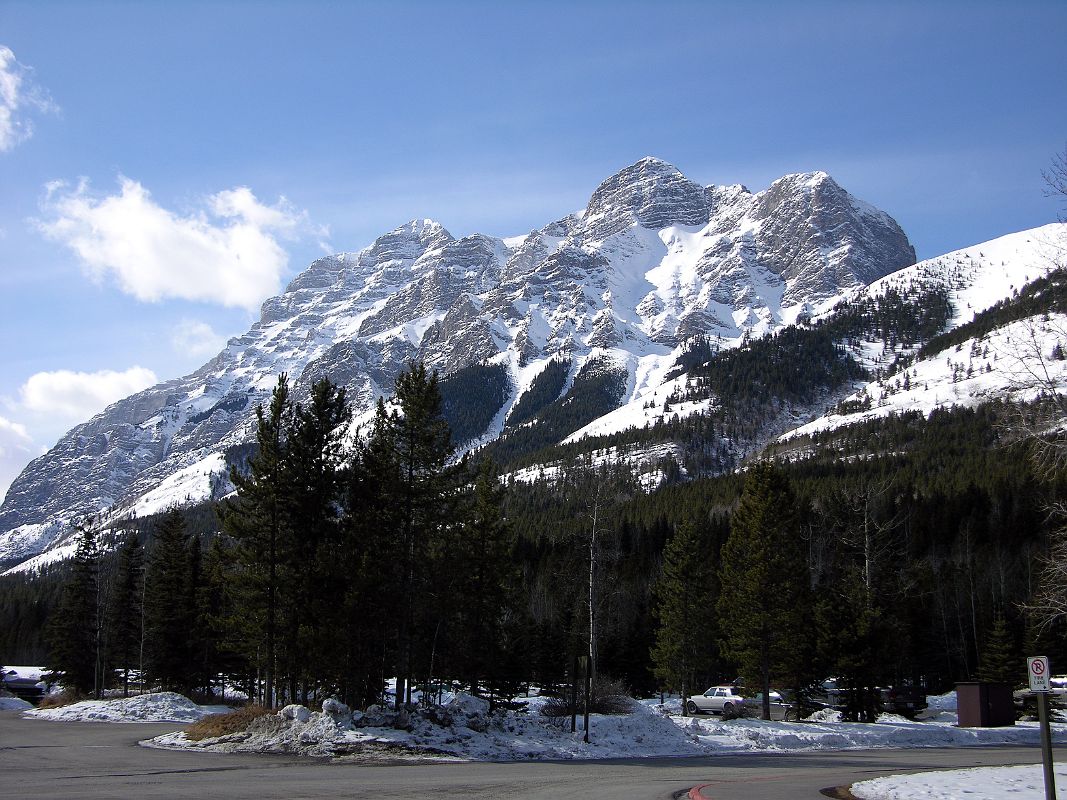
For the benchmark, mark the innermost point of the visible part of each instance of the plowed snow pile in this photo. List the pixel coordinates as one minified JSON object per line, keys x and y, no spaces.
{"x":11,"y":703}
{"x":157,"y":707}
{"x":465,"y":729}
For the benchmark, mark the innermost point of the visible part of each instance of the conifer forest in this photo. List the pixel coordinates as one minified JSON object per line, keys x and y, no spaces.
{"x":908,"y":550}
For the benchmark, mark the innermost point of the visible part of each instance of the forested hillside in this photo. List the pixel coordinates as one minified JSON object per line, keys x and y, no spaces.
{"x":918,"y":531}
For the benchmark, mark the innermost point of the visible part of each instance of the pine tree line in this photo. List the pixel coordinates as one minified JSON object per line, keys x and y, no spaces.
{"x":391,"y":558}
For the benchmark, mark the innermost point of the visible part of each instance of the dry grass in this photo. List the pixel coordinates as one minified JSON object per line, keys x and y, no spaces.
{"x":65,"y":698}
{"x":223,"y":724}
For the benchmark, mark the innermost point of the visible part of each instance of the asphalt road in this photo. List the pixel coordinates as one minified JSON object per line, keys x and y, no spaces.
{"x":69,"y":760}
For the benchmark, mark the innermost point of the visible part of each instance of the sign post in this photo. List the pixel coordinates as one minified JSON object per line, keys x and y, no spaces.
{"x":1038,"y":672}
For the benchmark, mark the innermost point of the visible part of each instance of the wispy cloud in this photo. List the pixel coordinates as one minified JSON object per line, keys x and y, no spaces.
{"x":16,"y":449}
{"x":77,"y":396}
{"x":195,"y":338}
{"x":20,"y":97}
{"x":227,"y":252}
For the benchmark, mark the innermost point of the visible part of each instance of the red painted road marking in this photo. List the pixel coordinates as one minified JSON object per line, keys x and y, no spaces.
{"x":696,"y":794}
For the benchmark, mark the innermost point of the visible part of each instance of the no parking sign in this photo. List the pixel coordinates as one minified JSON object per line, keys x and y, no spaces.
{"x":1037,"y":671}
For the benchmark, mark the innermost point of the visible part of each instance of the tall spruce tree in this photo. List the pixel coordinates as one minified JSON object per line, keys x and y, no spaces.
{"x":486,"y":600}
{"x":168,"y":608}
{"x":685,"y":608}
{"x":124,"y":610}
{"x":850,"y":640}
{"x":256,"y":520}
{"x":314,"y":487}
{"x":764,"y":595}
{"x":74,"y":630}
{"x":372,"y":559}
{"x":422,"y":446}
{"x":1001,"y":661}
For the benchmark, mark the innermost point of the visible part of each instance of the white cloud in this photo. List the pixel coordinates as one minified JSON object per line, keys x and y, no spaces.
{"x":18,"y":95}
{"x":226,"y":253}
{"x":195,"y":338}
{"x":77,"y":396}
{"x":16,"y":451}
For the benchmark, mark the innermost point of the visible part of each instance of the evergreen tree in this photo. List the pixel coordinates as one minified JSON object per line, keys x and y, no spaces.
{"x":764,"y":598}
{"x":217,"y":649}
{"x":312,"y":507}
{"x":169,"y":610}
{"x":1000,"y":661}
{"x":422,"y":447}
{"x":257,"y":523}
{"x":488,"y":608}
{"x":75,"y":647}
{"x":124,"y":610}
{"x":851,"y":637}
{"x":685,"y":608}
{"x":372,"y":556}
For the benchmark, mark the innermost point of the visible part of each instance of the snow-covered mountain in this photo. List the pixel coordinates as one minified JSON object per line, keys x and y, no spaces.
{"x":653,"y":260}
{"x":1017,"y":360}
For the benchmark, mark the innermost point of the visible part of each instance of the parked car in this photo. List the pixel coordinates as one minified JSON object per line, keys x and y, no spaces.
{"x":716,"y":700}
{"x":29,"y":686}
{"x":781,"y":707}
{"x":1026,"y":701}
{"x":906,"y":700}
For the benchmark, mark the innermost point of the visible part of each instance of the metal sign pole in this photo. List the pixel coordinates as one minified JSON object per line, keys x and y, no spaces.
{"x":1046,"y":745}
{"x":1037,"y":671}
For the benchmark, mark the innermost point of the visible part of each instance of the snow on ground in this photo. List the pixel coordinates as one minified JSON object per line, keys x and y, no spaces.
{"x":996,"y":783}
{"x":156,"y":707}
{"x":463,"y":729}
{"x":12,"y":703}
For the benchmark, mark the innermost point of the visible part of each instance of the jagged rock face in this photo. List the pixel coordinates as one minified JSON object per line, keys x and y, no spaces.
{"x":798,"y":240}
{"x":652,"y":260}
{"x":651,"y":193}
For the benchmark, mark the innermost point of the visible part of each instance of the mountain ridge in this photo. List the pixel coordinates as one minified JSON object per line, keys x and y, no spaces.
{"x":652,"y":261}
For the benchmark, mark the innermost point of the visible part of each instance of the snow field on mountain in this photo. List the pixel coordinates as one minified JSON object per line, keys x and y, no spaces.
{"x":193,"y":484}
{"x":1014,"y":362}
{"x":980,"y":276}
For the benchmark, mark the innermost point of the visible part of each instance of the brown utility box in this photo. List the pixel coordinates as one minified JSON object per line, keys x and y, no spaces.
{"x":985,"y":705}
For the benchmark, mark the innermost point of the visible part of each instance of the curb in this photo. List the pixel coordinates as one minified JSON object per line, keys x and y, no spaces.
{"x":839,"y":792}
{"x":836,"y":792}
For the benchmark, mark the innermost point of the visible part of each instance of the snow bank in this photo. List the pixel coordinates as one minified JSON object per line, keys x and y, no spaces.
{"x":157,"y":707}
{"x":12,"y":703}
{"x":997,"y":783}
{"x":461,"y":729}
{"x":464,"y":729}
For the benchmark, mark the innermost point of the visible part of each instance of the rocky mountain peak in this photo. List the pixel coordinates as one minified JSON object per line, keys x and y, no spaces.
{"x":652,"y":193}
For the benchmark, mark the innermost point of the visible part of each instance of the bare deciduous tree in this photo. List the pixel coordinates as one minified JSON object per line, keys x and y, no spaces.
{"x":1046,"y":427}
{"x":1056,"y":180}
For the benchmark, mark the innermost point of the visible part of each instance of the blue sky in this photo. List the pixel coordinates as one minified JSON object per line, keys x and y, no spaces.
{"x":165,"y":166}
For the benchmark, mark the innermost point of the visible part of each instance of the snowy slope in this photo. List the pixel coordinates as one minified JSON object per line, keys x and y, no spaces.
{"x":1013,"y":362}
